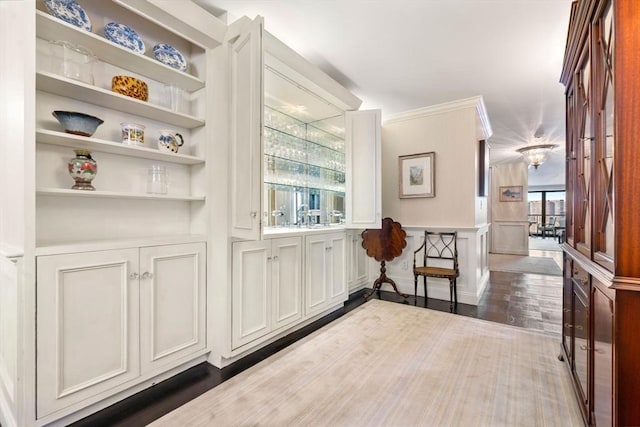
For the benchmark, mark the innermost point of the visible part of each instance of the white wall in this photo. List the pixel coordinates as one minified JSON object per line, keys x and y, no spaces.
{"x":452,"y":131}
{"x":509,"y":225}
{"x":452,"y":136}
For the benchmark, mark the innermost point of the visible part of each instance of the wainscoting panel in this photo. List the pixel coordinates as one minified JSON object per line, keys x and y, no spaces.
{"x":510,"y":237}
{"x":472,"y":260}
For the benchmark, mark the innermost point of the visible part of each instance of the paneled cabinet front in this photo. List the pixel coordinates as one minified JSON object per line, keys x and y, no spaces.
{"x":172,"y":304}
{"x":267,"y":287}
{"x":325,"y":279}
{"x":357,"y":272}
{"x":107,"y":319}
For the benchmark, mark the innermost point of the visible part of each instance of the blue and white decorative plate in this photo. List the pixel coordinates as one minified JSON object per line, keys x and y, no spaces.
{"x":124,"y":36}
{"x":170,"y":56}
{"x":69,"y":11}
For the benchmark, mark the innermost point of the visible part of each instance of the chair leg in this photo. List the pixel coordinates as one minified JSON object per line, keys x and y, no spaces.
{"x":424,"y":280}
{"x":450,"y":293}
{"x":455,"y":291}
{"x":415,"y":286}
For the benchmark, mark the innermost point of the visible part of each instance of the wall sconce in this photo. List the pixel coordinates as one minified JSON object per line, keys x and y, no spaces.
{"x":535,"y":155}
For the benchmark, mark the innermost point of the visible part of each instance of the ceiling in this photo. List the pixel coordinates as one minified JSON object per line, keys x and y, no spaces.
{"x":399,"y":55}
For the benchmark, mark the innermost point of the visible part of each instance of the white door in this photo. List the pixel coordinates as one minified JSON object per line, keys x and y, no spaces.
{"x":286,"y":280}
{"x":251,"y":293}
{"x":246,"y":61}
{"x":316,"y":269}
{"x":363,"y":169}
{"x":172,"y":303}
{"x":87,"y":326}
{"x":337,"y":268}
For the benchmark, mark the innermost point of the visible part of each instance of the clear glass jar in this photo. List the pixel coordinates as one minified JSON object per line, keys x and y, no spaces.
{"x":74,"y":62}
{"x":157,"y":182}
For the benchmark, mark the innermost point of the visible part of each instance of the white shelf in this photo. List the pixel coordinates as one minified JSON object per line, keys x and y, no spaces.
{"x":55,"y":248}
{"x":46,"y":136}
{"x":63,"y":192}
{"x":58,"y":85}
{"x":50,"y":28}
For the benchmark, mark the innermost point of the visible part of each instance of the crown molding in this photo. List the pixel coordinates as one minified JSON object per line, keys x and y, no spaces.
{"x":483,"y":126}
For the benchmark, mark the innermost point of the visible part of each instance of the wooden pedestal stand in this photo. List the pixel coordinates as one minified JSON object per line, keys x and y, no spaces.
{"x":384,"y":245}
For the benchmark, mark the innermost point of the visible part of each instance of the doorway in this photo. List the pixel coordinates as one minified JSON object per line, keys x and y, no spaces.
{"x":546,"y":216}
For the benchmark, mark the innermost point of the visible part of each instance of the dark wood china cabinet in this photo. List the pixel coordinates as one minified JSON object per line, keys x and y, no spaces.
{"x":601,"y":297}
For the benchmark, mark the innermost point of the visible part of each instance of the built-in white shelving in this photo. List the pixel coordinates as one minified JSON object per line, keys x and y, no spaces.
{"x":45,"y":136}
{"x":58,"y":85}
{"x":63,"y":192}
{"x":51,"y":28}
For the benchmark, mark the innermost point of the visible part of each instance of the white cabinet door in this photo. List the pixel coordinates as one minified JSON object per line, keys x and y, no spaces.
{"x":361,"y":270}
{"x":337,"y":268}
{"x":172,"y":303}
{"x":246,"y":61}
{"x":325,"y":278}
{"x":251,"y":293}
{"x":317,"y":259}
{"x":87,"y":325}
{"x":357,"y":272}
{"x":286,"y":280}
{"x":363,"y":169}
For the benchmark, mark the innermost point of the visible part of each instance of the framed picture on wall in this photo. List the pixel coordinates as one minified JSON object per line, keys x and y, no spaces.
{"x":417,"y":175}
{"x":511,"y":193}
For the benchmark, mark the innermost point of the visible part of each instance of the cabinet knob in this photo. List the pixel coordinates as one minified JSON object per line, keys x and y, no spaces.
{"x":147,"y":275}
{"x":253,"y":214}
{"x":133,"y":276}
{"x":583,"y":347}
{"x":275,"y":258}
{"x":269,"y":258}
{"x":568,"y":325}
{"x":328,"y":248}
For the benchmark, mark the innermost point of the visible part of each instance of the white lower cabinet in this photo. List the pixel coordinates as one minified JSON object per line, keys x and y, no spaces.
{"x":267,"y":287}
{"x":325,"y":278}
{"x":172,"y":304}
{"x":109,"y":318}
{"x":357,"y":271}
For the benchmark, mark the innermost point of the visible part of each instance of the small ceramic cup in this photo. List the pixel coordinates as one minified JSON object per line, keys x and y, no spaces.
{"x":132,"y":134}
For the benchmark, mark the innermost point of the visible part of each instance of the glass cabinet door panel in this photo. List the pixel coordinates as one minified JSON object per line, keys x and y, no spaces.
{"x":605,"y":141}
{"x":571,"y":165}
{"x":584,"y":112}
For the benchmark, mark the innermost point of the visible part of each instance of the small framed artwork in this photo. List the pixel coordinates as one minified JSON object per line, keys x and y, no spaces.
{"x":511,"y":193}
{"x":417,"y":175}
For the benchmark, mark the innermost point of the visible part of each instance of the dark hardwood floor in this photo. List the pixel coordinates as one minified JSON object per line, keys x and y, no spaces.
{"x":525,"y":300}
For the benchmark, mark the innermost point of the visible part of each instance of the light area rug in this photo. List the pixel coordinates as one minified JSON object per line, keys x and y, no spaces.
{"x":388,"y":364}
{"x":524,"y":264}
{"x":547,"y":244}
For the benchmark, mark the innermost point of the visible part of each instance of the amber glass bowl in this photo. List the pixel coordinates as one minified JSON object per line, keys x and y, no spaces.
{"x":130,"y":86}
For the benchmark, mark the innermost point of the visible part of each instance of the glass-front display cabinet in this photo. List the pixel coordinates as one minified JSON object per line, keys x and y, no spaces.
{"x":304,"y":156}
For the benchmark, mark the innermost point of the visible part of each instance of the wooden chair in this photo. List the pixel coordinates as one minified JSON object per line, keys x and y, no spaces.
{"x":440,"y":260}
